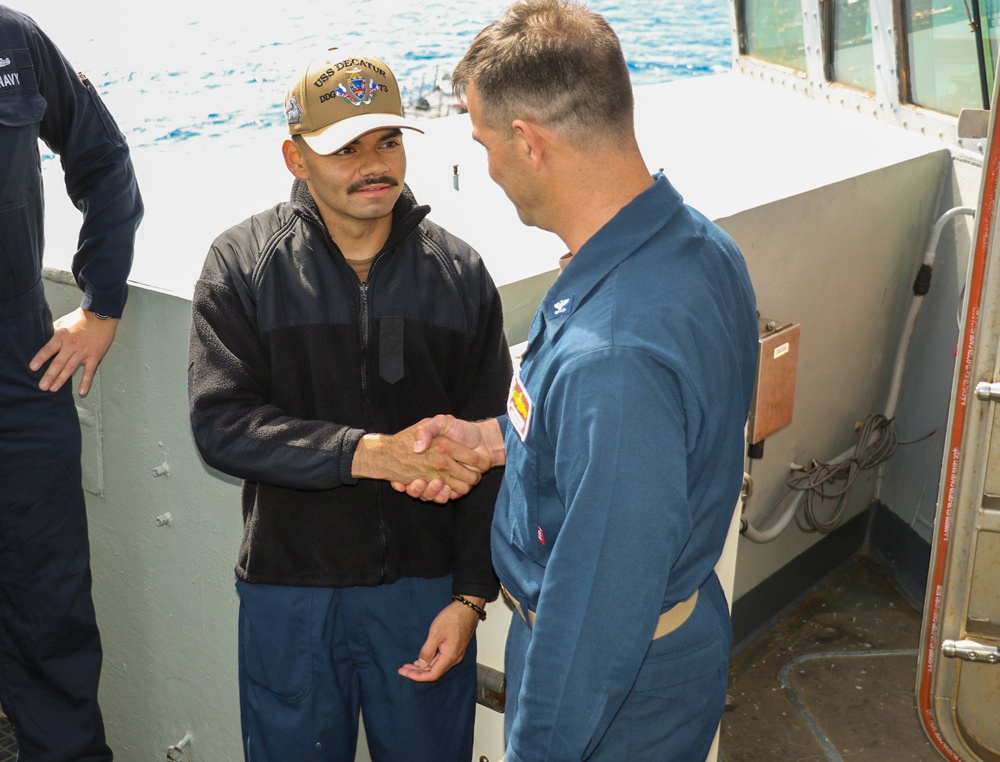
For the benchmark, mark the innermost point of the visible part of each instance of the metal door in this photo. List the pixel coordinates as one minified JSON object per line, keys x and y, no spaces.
{"x":958,"y":678}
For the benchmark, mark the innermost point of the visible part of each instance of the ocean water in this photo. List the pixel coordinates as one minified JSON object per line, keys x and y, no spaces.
{"x":211,"y":71}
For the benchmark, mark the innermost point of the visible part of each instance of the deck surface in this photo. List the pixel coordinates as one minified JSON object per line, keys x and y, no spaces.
{"x":833,"y":681}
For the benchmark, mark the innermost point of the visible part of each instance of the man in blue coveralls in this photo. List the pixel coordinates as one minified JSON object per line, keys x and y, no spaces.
{"x":624,"y":435}
{"x":50,"y":648}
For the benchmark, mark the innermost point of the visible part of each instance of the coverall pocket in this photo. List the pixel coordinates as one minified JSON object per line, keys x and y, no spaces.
{"x":677,"y":701}
{"x":21,"y":109}
{"x":390,"y":351}
{"x":43,"y":541}
{"x":275,"y":639}
{"x":110,"y":126}
{"x":521,"y":479}
{"x":20,"y":102}
{"x":674,"y":669}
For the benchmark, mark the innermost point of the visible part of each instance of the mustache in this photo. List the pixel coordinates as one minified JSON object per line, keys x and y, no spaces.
{"x":383,"y":180}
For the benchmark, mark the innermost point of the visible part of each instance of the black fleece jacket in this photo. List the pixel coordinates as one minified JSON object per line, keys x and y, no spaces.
{"x":293,"y":360}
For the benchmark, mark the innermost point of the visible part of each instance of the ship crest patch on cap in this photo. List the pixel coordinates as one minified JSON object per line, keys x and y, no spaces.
{"x":358,"y":92}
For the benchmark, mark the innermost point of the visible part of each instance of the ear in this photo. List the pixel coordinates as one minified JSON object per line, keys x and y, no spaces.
{"x":532,"y":141}
{"x":294,"y":159}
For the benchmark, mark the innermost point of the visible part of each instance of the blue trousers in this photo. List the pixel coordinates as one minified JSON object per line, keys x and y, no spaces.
{"x":674,"y":705}
{"x":50,"y":649}
{"x":311,"y":658}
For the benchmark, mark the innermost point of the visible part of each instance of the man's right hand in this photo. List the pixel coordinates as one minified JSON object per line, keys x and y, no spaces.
{"x":401,"y":458}
{"x":80,"y":338}
{"x":483,"y":438}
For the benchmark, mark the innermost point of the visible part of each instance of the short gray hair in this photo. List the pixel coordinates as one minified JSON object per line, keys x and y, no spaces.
{"x":555,"y":62}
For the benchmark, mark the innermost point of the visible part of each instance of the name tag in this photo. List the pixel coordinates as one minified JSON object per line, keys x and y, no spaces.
{"x":519,"y":407}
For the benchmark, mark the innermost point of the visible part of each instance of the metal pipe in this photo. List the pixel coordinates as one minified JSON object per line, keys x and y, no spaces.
{"x":923,"y":279}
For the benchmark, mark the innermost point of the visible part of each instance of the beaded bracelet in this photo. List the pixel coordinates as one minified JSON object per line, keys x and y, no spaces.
{"x":466,"y":602}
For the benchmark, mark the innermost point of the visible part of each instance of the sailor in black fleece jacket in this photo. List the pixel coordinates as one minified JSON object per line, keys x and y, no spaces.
{"x":321,"y":328}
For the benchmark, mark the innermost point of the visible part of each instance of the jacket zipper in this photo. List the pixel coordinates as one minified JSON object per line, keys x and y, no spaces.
{"x":363,"y":287}
{"x":364,"y":393}
{"x":365,"y":338}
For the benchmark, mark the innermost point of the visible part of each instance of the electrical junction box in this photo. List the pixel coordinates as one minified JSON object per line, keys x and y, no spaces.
{"x":774,"y":390}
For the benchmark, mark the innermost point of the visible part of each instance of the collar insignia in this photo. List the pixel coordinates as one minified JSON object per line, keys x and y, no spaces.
{"x":562,"y":306}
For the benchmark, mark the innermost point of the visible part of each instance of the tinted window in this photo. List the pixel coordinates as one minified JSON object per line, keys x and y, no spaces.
{"x":773,"y":31}
{"x":851,"y":44}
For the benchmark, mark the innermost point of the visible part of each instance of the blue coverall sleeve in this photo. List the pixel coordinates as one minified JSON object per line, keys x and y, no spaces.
{"x":617,"y":420}
{"x":100,"y":179}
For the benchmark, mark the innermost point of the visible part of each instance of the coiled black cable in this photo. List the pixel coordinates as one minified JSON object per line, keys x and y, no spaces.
{"x":826,"y":481}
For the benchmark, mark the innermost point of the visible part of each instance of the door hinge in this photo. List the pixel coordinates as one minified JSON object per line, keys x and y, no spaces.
{"x":970,"y":650}
{"x":988,"y":392}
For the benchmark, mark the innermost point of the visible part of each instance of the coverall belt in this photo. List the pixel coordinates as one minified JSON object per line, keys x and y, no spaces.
{"x":669,"y":620}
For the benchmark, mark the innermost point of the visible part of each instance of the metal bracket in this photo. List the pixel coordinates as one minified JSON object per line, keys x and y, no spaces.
{"x":175,"y":753}
{"x":973,"y":123}
{"x":491,"y":688}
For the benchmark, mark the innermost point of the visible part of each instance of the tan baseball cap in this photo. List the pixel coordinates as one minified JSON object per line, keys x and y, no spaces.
{"x":342,"y":96}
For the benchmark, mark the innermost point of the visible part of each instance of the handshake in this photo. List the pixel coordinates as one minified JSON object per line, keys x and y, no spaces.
{"x":437,"y":459}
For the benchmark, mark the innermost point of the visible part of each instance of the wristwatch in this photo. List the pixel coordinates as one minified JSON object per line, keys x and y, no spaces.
{"x":99,"y":316}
